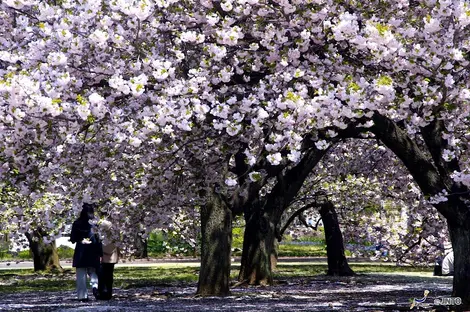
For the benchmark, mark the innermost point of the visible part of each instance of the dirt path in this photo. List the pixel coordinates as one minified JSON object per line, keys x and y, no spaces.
{"x":365,"y":292}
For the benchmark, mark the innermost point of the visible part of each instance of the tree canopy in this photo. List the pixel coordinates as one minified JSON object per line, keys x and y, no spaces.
{"x":144,"y":104}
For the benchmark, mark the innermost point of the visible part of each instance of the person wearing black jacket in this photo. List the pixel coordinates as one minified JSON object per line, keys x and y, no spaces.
{"x":88,"y":251}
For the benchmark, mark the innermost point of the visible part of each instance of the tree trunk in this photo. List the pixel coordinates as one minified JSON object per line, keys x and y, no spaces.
{"x":460,"y":237}
{"x":263,"y":218}
{"x":45,"y":255}
{"x":258,"y":247}
{"x":432,"y":178}
{"x":337,"y":263}
{"x":216,"y":241}
{"x":274,"y":255}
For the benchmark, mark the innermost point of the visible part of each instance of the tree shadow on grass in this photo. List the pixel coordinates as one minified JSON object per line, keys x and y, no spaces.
{"x":145,"y":292}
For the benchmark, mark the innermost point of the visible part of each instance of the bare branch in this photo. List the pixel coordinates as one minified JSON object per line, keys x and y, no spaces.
{"x":295,"y":215}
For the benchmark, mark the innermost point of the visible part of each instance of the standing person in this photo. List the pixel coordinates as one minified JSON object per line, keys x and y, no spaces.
{"x":448,"y":264}
{"x":88,"y":250}
{"x":109,"y":259}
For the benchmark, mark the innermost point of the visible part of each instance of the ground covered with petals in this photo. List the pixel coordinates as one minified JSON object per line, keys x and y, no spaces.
{"x":364,"y":292}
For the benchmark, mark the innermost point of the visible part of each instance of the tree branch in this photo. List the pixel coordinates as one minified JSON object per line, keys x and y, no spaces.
{"x":293,"y":216}
{"x":409,"y":249}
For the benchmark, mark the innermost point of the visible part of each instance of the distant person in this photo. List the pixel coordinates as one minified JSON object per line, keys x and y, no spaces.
{"x":88,"y":250}
{"x":448,"y":264}
{"x":447,"y":248}
{"x":438,"y":267}
{"x":109,"y":259}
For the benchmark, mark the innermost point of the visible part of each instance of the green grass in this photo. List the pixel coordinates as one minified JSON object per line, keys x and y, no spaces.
{"x":285,"y":250}
{"x":313,"y":269}
{"x":43,"y":285}
{"x":291,"y":250}
{"x":128,"y":277}
{"x":19,"y":280}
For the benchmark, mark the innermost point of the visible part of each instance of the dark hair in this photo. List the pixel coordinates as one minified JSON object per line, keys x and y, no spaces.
{"x":86,"y":209}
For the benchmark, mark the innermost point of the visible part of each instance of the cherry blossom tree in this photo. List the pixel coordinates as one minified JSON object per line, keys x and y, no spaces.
{"x":377,"y":202}
{"x":99,"y":98}
{"x":419,"y":104}
{"x":34,"y":223}
{"x":371,"y":190}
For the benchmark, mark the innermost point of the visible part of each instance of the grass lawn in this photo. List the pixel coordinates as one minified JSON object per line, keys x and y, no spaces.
{"x":291,"y":250}
{"x":13,"y":280}
{"x":286,"y":249}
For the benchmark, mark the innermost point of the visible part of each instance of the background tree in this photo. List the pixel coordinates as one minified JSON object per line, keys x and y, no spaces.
{"x":34,"y":225}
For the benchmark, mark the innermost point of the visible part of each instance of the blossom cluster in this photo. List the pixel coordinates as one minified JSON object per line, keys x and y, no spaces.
{"x":142,"y":102}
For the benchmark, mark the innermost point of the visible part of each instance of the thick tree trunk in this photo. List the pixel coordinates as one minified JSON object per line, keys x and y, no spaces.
{"x":460,"y":237}
{"x":45,"y":255}
{"x":432,"y":178}
{"x":258,"y":248}
{"x":263,"y":218}
{"x":337,"y":262}
{"x":216,"y":241}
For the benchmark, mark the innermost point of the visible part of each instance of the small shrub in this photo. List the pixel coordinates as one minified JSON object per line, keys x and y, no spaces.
{"x":65,"y":252}
{"x":237,"y":237}
{"x":156,"y":243}
{"x":161,"y":243}
{"x":23,"y":255}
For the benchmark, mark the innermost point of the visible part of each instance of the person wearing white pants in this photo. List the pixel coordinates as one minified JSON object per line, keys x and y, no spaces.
{"x":82,"y":291}
{"x":88,"y":251}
